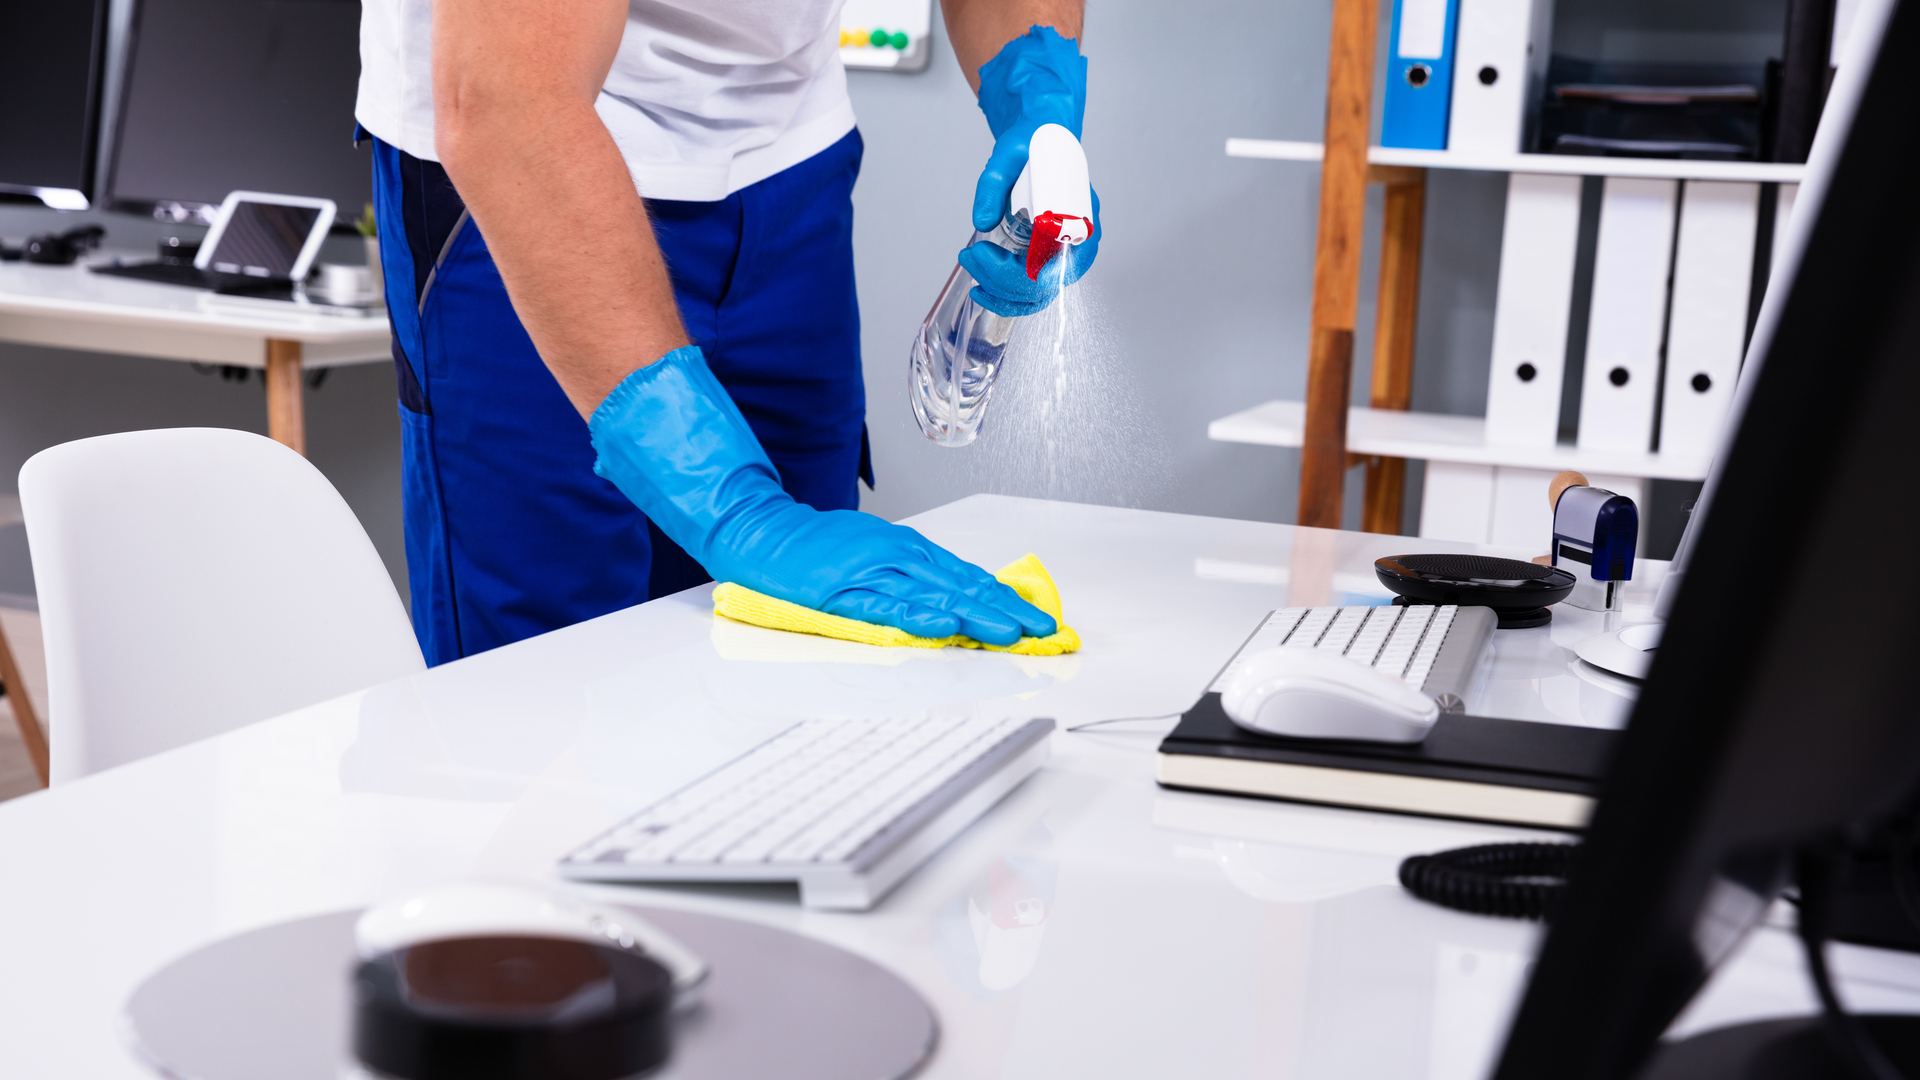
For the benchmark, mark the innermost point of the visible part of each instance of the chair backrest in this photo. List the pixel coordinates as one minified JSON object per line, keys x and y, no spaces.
{"x":192,"y":580}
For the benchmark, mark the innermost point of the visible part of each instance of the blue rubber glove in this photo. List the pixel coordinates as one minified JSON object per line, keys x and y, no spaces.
{"x":671,"y":440}
{"x":1037,"y":78}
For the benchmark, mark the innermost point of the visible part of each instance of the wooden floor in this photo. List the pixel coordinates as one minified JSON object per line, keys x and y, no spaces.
{"x":23,"y":633}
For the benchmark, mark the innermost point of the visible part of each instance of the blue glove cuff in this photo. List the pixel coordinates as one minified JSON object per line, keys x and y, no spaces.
{"x":1039,"y":77}
{"x":672,"y":440}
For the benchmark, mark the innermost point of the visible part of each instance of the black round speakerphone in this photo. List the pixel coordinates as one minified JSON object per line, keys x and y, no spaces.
{"x":1518,"y":592}
{"x":511,"y":1008}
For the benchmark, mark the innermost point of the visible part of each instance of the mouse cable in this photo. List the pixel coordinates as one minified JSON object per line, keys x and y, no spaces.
{"x":1513,"y":881}
{"x":1123,"y":720}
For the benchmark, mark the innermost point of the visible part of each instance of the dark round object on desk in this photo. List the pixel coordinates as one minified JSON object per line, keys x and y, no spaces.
{"x":174,"y":249}
{"x":1518,"y":592}
{"x":511,"y":1008}
{"x":62,"y":249}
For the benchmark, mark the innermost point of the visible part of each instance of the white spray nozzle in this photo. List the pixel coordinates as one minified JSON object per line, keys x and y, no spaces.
{"x":1054,"y":193}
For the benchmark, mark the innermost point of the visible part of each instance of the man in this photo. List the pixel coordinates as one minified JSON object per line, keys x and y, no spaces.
{"x":617,"y":237}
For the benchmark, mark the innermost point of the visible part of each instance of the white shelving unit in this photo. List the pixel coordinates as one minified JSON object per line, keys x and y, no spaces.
{"x":1436,"y":437}
{"x":1553,"y":164}
{"x":1473,"y":487}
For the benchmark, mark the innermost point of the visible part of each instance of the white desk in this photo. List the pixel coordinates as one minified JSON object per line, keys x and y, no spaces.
{"x":71,"y":308}
{"x":1186,"y":935}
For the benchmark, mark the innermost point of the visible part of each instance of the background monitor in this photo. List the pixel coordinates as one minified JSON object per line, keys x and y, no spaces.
{"x":225,"y":95}
{"x":1777,"y":723}
{"x":50,"y":98}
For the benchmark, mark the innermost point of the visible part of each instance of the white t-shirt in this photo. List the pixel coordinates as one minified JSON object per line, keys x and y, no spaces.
{"x":704,"y":98}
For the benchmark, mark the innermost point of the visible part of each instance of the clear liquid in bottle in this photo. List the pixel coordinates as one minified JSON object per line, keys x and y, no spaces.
{"x":957,"y":356}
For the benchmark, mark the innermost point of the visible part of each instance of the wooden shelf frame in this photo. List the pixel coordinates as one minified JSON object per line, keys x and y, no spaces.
{"x":1336,"y":261}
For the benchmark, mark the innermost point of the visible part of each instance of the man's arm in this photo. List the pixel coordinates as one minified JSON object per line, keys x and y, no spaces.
{"x":980,"y":27}
{"x":514,"y":82}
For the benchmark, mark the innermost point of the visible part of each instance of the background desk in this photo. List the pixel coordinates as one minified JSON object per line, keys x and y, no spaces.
{"x":69,"y":307}
{"x":1183,"y":935}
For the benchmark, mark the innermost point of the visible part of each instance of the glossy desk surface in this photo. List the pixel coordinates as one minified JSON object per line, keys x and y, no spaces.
{"x":72,"y":307}
{"x":1174,"y":934}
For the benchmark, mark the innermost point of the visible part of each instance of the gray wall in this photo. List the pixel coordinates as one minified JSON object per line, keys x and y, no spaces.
{"x":1197,"y":307}
{"x":1198,"y":304}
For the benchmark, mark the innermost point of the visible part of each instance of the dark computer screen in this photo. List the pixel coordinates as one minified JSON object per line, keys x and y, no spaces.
{"x":233,"y":95}
{"x":49,"y":95}
{"x":1777,"y":720}
{"x":263,"y":239}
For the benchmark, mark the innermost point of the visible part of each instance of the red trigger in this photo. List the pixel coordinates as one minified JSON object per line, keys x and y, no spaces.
{"x":1045,"y":243}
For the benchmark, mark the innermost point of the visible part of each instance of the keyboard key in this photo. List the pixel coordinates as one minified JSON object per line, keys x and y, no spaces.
{"x":1404,"y":640}
{"x":1340,"y":632}
{"x":1314,"y":624}
{"x":1429,"y":649}
{"x":1373,"y":634}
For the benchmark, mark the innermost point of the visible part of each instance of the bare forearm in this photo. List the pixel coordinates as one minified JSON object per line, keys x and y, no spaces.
{"x":549,"y":190}
{"x":980,"y":27}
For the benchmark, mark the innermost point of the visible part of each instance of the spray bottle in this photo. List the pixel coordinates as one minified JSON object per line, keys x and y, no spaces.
{"x":959,"y":349}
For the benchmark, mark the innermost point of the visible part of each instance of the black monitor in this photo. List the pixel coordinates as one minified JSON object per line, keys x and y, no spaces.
{"x":50,"y":98}
{"x":1778,"y":724}
{"x":229,"y":95}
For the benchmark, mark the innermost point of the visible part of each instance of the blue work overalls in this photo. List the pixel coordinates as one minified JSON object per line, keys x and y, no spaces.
{"x":508,"y":531}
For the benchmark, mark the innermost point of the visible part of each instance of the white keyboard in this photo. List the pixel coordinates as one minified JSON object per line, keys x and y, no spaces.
{"x":1437,"y":649}
{"x":846,"y":808}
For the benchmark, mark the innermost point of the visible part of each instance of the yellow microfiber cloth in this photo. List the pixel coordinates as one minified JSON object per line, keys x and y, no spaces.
{"x":1025,"y":575}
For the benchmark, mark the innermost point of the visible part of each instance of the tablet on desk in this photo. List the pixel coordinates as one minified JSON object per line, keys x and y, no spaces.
{"x":266,"y":236}
{"x":259,"y":245}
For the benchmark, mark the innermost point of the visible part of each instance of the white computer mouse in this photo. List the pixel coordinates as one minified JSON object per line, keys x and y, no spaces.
{"x":1314,"y":694}
{"x":483,"y":908}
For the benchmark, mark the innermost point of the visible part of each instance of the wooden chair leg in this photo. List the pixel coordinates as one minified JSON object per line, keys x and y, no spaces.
{"x":31,"y":732}
{"x":1394,"y":327}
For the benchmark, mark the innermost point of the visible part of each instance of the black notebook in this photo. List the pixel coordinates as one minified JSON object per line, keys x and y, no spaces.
{"x":1513,"y":772}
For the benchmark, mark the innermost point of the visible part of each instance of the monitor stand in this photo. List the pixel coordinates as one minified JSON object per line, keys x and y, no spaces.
{"x":1796,"y":1049}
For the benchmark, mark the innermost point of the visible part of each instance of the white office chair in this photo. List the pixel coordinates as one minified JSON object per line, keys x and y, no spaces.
{"x":193,"y":580}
